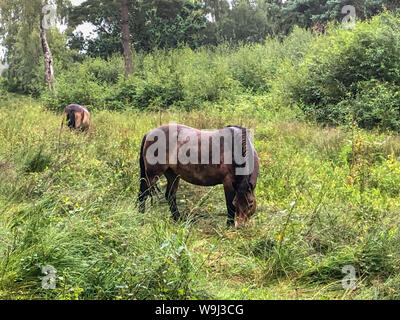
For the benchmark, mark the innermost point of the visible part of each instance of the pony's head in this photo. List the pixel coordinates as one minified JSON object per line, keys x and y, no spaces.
{"x":244,"y":186}
{"x":244,"y":201}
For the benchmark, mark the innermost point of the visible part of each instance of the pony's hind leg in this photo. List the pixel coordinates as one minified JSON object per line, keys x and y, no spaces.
{"x":170,"y":194}
{"x":146,"y":189}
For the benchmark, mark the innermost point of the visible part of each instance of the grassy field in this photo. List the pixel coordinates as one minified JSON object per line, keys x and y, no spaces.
{"x":327,"y":197}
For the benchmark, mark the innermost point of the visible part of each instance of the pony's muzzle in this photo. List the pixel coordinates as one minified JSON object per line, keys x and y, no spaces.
{"x":240,"y":223}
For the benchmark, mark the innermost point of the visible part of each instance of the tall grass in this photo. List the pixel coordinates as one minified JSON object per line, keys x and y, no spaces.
{"x":327,"y":197}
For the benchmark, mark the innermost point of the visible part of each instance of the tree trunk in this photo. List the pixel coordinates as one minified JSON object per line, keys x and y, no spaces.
{"x":48,"y":58}
{"x":126,"y":38}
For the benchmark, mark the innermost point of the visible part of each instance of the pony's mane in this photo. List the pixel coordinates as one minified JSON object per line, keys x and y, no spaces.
{"x":244,"y":138}
{"x":242,"y":182}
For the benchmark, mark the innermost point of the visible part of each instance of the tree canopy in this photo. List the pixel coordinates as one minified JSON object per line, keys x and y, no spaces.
{"x":156,"y":24}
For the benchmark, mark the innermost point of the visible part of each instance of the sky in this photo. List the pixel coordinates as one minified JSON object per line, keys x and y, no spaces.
{"x":86,"y":28}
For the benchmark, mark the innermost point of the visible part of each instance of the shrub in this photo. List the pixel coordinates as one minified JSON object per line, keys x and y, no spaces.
{"x":205,"y":77}
{"x":336,"y":71}
{"x":254,"y":65}
{"x":181,"y":77}
{"x":88,"y":83}
{"x":377,"y":104}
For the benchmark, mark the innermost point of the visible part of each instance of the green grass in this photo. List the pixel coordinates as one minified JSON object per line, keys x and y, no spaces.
{"x":71,"y":204}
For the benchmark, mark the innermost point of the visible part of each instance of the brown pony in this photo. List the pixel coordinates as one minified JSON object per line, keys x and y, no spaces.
{"x":178,"y":151}
{"x":78,"y":117}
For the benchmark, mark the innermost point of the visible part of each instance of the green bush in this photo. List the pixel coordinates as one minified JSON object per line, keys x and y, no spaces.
{"x":254,"y":65}
{"x":333,"y":78}
{"x":105,"y":71}
{"x":377,"y":104}
{"x":89,"y":83}
{"x":181,"y":77}
{"x":342,"y":67}
{"x":25,"y":73}
{"x":205,"y":76}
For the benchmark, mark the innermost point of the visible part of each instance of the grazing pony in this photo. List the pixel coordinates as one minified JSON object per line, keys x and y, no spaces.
{"x":78,"y":117}
{"x":204,"y":158}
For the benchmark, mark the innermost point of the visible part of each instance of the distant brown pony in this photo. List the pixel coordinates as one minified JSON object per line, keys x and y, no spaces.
{"x":209,"y":166}
{"x":78,"y":117}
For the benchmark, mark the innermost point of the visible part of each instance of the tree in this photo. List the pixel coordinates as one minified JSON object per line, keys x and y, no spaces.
{"x":48,"y":57}
{"x":112,"y":19}
{"x":244,"y":20}
{"x":309,"y":13}
{"x":216,"y":9}
{"x":126,"y":37}
{"x":26,"y":39}
{"x":152,"y":24}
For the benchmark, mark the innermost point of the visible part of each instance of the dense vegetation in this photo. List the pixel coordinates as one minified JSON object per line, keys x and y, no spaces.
{"x":337,"y":78}
{"x":325,"y":107}
{"x":326,"y":198}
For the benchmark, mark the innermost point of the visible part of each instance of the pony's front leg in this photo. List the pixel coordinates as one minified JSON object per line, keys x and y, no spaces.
{"x":229,"y":196}
{"x":143,"y":194}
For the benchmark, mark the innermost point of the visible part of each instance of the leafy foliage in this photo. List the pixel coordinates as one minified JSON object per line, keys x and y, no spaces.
{"x":19,"y":32}
{"x":153,"y":24}
{"x":343,"y":69}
